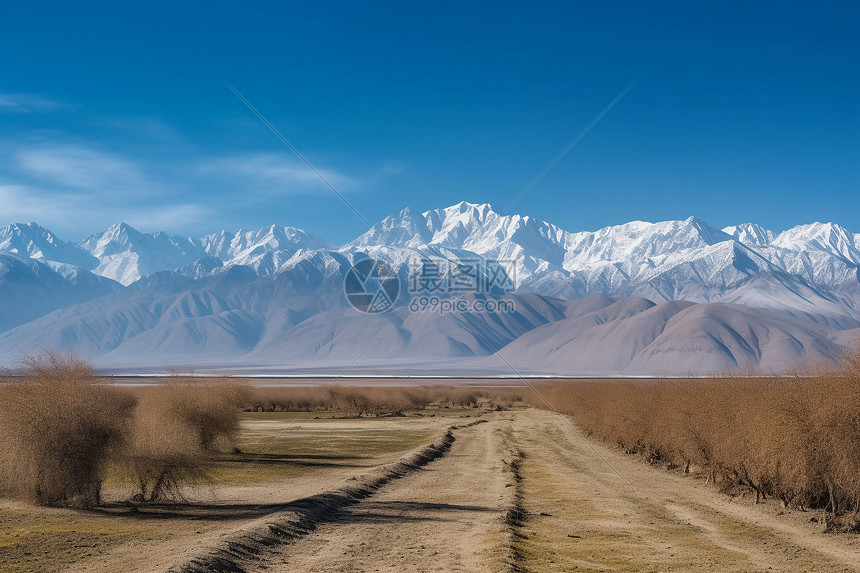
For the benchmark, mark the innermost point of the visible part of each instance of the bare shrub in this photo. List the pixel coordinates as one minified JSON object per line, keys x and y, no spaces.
{"x":58,"y":428}
{"x":177,"y":428}
{"x":287,"y":399}
{"x":354,"y":402}
{"x":386,"y":401}
{"x":419,"y":398}
{"x":463,"y":397}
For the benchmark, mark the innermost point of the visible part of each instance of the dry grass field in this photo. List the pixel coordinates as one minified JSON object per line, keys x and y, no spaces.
{"x":301,"y":459}
{"x":795,"y":439}
{"x":681,"y":475}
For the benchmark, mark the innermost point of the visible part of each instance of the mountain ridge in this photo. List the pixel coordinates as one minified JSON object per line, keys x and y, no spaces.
{"x":123,"y":296}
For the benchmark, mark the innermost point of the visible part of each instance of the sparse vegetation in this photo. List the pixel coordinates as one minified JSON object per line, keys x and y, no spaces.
{"x":794,"y":439}
{"x":791,"y":439}
{"x":288,"y":399}
{"x":377,"y":401}
{"x":61,"y":427}
{"x":58,"y":428}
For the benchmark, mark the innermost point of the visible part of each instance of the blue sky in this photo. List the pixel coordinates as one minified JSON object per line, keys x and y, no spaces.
{"x":119,"y":112}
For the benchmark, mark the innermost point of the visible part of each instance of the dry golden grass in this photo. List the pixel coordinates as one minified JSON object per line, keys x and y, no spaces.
{"x":794,"y":439}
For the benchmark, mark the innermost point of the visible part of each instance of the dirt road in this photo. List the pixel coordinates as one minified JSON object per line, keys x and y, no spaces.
{"x":585,"y":507}
{"x":592,"y":508}
{"x":448,"y":516}
{"x":520,"y":491}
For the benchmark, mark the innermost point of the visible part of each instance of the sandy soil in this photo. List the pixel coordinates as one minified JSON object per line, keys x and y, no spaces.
{"x":448,"y":516}
{"x":587,"y":508}
{"x":165,"y":536}
{"x":592,"y":508}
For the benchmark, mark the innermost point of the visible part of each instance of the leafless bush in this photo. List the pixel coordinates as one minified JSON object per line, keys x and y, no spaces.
{"x":287,"y":399}
{"x":419,"y":398}
{"x":58,"y":428}
{"x":375,"y":401}
{"x":353,"y":402}
{"x":177,"y":427}
{"x":349,"y":401}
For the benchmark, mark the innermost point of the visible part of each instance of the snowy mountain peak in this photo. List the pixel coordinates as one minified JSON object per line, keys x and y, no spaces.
{"x":407,"y":228}
{"x":466,"y":207}
{"x":640,"y":243}
{"x":825,"y":237}
{"x":707,"y":233}
{"x":750,"y":234}
{"x":217,"y":244}
{"x":125,"y":254}
{"x":479,"y":228}
{"x":465,"y":212}
{"x":26,"y":239}
{"x":116,"y":238}
{"x":246,"y":244}
{"x":466,"y":226}
{"x":36,"y":242}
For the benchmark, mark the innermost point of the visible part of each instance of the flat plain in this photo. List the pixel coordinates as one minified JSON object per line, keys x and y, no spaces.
{"x":445,"y":489}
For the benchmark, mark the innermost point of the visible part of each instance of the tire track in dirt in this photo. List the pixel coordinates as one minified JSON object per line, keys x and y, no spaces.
{"x":524,"y":492}
{"x":449,"y":516}
{"x":582,"y":516}
{"x":516,"y":515}
{"x":299,"y":518}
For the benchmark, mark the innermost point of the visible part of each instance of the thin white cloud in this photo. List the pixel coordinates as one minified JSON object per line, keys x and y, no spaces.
{"x":22,"y":204}
{"x":392,"y":168}
{"x":79,"y":167}
{"x":26,"y":103}
{"x":172,"y":218}
{"x":66,"y":213}
{"x":74,"y":187}
{"x":271,"y":173}
{"x":143,"y":128}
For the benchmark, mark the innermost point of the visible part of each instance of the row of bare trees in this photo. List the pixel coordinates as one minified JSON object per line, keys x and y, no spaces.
{"x":794,"y":439}
{"x":378,"y":400}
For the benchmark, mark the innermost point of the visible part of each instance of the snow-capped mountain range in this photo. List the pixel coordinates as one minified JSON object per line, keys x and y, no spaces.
{"x":273,"y":297}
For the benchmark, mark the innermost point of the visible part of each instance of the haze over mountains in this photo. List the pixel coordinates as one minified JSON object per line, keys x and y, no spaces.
{"x":667,"y":298}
